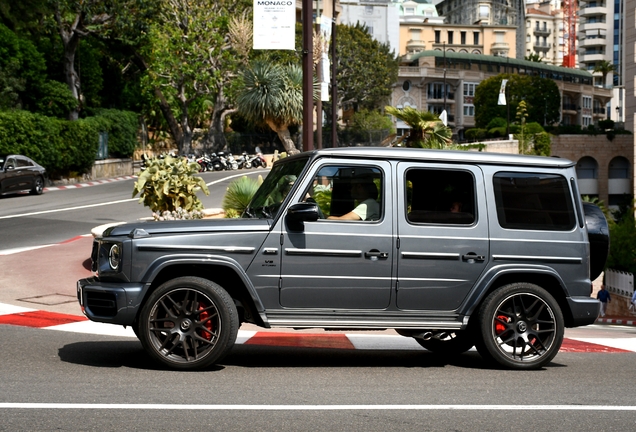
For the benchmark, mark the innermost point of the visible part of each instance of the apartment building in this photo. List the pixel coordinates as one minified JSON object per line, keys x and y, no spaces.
{"x":488,"y":12}
{"x":435,"y":80}
{"x":544,"y":33}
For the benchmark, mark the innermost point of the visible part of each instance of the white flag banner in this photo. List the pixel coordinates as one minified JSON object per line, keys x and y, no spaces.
{"x":502,"y":93}
{"x":274,"y":24}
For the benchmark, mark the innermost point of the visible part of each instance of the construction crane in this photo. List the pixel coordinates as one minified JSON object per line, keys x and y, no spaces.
{"x":570,"y":9}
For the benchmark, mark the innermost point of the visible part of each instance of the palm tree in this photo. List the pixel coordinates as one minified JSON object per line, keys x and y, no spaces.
{"x":273,"y":95}
{"x":605,"y":68}
{"x":427,"y":130}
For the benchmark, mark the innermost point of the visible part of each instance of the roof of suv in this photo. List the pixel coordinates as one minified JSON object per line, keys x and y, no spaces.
{"x":443,"y":156}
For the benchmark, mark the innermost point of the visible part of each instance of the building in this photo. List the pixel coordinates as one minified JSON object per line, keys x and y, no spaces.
{"x":488,"y":12}
{"x":379,"y":16}
{"x":544,"y":33}
{"x":629,"y":67}
{"x":433,"y":80}
{"x":600,"y":39}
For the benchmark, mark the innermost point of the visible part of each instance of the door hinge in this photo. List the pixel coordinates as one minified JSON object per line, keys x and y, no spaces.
{"x":397,"y":243}
{"x":282,"y":238}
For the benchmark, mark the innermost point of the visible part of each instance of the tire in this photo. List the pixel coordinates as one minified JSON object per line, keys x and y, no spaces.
{"x":38,"y":186}
{"x":448,"y":343}
{"x":519,"y":326}
{"x":188,"y":323}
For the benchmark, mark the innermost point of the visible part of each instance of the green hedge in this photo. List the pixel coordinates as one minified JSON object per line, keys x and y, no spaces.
{"x":64,"y":147}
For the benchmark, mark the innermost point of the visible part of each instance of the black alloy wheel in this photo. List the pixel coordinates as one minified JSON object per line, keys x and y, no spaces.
{"x":38,"y":186}
{"x":188,"y":323}
{"x":520,"y":327}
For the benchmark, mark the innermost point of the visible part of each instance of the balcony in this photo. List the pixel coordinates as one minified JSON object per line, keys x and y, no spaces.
{"x":500,"y":49}
{"x":415,"y":46}
{"x":541,"y":47}
{"x":599,"y":25}
{"x":593,"y":57}
{"x":599,"y":112}
{"x":592,"y":42}
{"x":570,"y":108}
{"x":593,"y":10}
{"x":432,"y":97}
{"x":545,"y":32}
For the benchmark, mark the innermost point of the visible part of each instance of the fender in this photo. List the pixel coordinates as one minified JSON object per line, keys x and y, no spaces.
{"x":482,"y":287}
{"x":169,"y":260}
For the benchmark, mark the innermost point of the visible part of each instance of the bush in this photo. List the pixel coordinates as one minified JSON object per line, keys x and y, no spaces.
{"x":475,"y":134}
{"x":239,"y":194}
{"x":122,"y":127}
{"x":169,"y":185}
{"x":497,"y":122}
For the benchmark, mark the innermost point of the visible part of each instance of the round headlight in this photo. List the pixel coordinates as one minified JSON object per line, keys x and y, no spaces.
{"x":114,"y":256}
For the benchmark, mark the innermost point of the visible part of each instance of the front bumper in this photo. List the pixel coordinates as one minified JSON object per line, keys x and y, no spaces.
{"x":115,"y":303}
{"x":584,"y":310}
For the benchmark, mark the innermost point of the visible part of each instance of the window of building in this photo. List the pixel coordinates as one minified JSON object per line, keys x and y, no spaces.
{"x":587,"y":168}
{"x":531,"y":201}
{"x":469,"y":89}
{"x":469,"y":110}
{"x":475,"y":38}
{"x":484,"y":12}
{"x":438,"y":36}
{"x":586,"y":121}
{"x":587,"y":101}
{"x":463,"y":37}
{"x":450,"y":37}
{"x":368,"y":10}
{"x":406,"y":86}
{"x":409,"y":11}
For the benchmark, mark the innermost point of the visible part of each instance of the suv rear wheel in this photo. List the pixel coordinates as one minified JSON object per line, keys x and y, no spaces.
{"x":520,"y":326}
{"x":188,"y":323}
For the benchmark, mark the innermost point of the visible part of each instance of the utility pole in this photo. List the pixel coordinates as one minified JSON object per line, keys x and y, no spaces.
{"x":308,"y":75}
{"x":444,"y":50}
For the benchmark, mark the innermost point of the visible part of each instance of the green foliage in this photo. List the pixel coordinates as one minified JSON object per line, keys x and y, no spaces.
{"x":56,"y":100}
{"x":367,"y":69}
{"x":622,"y":254}
{"x":542,"y":144}
{"x":427,"y":130}
{"x":365,"y":120}
{"x":170,"y":184}
{"x":122,"y":127}
{"x":542,"y":97}
{"x":239,"y":194}
{"x":607,"y":124}
{"x":475,"y":134}
{"x":497,"y":122}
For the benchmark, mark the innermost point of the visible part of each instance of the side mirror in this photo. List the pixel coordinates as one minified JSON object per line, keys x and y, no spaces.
{"x":8,"y":167}
{"x":300,"y":213}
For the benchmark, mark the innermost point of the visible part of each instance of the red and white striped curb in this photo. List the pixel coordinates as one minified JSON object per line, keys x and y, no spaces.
{"x":20,"y":316}
{"x":621,"y":321}
{"x":90,"y":183}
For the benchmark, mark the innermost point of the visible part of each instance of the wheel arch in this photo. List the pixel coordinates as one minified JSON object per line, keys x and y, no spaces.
{"x":230,"y":277}
{"x":544,"y":278}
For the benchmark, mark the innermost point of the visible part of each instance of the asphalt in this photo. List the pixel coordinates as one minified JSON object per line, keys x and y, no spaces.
{"x":45,"y":278}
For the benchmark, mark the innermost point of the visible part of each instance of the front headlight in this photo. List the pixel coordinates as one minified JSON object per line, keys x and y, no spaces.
{"x":114,"y":256}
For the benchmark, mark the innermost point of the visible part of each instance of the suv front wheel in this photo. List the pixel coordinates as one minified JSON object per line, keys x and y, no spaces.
{"x":188,"y":323}
{"x":520,"y":326}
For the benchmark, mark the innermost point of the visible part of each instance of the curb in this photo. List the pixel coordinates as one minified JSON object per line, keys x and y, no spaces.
{"x":621,"y":321}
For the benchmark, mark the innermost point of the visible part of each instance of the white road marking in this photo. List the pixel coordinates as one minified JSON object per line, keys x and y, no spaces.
{"x":163,"y":407}
{"x":628,"y":344}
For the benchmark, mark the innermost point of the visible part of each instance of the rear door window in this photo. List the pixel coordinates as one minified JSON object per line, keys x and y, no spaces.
{"x":533,"y":201}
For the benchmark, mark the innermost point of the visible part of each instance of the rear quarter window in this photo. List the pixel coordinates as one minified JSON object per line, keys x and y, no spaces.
{"x":533,"y":201}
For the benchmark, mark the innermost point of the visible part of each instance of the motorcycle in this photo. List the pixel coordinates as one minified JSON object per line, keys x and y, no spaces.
{"x":231,"y":162}
{"x":243,"y":161}
{"x":256,"y":161}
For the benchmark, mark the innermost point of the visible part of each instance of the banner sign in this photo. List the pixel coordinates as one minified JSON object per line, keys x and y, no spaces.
{"x":502,"y":93}
{"x":274,"y":24}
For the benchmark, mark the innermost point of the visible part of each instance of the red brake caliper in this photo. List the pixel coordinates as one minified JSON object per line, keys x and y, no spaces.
{"x":499,"y":327}
{"x":208,"y":324}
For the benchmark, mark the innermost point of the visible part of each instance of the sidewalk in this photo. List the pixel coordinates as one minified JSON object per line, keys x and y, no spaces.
{"x":45,"y":279}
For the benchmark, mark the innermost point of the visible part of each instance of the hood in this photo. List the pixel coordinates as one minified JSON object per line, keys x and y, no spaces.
{"x":189,"y":226}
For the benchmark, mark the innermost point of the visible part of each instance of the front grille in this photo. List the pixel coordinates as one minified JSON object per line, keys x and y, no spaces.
{"x":101,"y":304}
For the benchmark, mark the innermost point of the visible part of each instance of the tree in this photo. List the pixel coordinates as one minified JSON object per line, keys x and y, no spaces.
{"x":427,"y":130}
{"x":522,"y":136}
{"x":367,"y":69}
{"x":273,"y":95}
{"x":543,"y":100}
{"x":533,"y":57}
{"x":605,"y":68}
{"x":187,"y":58}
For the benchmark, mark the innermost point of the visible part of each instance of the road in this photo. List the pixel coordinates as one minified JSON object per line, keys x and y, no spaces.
{"x":58,"y":215}
{"x":54,"y":378}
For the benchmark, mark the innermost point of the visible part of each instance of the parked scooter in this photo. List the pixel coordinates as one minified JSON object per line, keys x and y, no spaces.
{"x":256,"y":161}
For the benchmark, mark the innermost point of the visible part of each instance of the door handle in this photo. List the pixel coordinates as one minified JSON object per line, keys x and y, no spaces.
{"x":375,"y":254}
{"x":472,"y":256}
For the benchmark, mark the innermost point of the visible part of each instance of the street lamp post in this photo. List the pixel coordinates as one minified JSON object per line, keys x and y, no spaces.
{"x":444,"y":51}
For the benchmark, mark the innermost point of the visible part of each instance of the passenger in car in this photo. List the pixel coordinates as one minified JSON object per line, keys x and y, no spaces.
{"x":365,"y":192}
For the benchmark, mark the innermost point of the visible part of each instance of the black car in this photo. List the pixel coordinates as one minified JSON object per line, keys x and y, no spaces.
{"x":19,"y":173}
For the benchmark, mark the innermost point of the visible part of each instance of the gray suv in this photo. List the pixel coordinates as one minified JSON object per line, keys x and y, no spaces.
{"x":454,"y":249}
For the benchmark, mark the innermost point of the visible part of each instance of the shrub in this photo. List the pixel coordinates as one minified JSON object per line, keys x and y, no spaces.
{"x":475,"y":134}
{"x":239,"y":194}
{"x":169,"y":185}
{"x":122,"y":127}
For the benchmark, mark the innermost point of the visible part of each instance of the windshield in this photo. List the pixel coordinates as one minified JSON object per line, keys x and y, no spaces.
{"x":274,"y":190}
